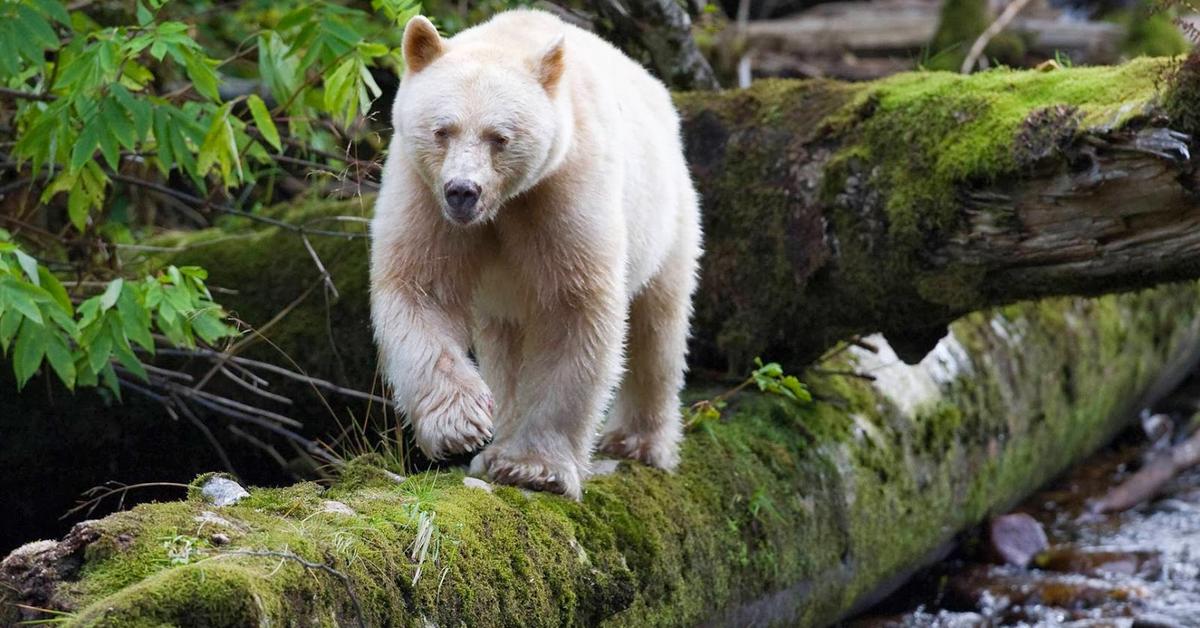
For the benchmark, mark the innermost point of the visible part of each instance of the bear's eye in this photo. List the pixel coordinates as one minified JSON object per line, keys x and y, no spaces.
{"x":498,"y":141}
{"x":441,"y":133}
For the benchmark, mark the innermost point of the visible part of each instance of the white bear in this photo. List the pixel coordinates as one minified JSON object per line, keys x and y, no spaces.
{"x":536,"y":206}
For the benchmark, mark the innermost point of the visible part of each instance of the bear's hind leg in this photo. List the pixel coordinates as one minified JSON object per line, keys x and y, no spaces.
{"x":645,"y":421}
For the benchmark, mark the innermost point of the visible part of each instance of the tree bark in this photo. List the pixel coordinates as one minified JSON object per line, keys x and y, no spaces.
{"x":657,"y":33}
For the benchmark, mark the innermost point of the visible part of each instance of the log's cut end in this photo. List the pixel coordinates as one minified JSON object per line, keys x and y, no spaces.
{"x":779,"y":512}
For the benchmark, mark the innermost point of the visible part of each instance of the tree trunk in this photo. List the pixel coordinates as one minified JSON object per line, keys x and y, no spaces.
{"x":830,"y":209}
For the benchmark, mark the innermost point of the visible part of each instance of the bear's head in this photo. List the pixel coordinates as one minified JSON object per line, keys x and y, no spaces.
{"x":479,"y":124}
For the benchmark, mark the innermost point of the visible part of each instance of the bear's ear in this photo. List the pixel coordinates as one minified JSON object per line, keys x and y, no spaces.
{"x":549,"y":66}
{"x":422,"y":44}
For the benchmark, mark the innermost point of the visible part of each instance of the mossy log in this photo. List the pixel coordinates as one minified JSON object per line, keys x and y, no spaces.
{"x":830,"y":209}
{"x":779,"y":513}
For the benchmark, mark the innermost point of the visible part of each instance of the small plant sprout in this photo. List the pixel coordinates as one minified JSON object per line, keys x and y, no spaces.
{"x":769,"y":378}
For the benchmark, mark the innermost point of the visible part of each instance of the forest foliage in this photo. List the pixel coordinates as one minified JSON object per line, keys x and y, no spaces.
{"x":204,"y":106}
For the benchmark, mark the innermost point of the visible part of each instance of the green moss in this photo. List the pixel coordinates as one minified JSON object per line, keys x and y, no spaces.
{"x":929,"y":132}
{"x":913,"y":141}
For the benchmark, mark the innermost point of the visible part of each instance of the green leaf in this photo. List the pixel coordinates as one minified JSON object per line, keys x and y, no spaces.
{"x":123,"y":351}
{"x":84,"y":375}
{"x":109,"y":377}
{"x":144,"y":16}
{"x":28,"y":352}
{"x":36,"y":29}
{"x":54,"y":10}
{"x":10,"y":322}
{"x":29,"y":265}
{"x":21,"y":300}
{"x":100,"y":351}
{"x":52,"y":285}
{"x":59,"y":356}
{"x":111,"y":294}
{"x":202,"y":76}
{"x":119,"y":125}
{"x":135,"y":319}
{"x":85,"y":144}
{"x":220,"y":147}
{"x":262,"y":120}
{"x":301,"y":15}
{"x":209,"y":327}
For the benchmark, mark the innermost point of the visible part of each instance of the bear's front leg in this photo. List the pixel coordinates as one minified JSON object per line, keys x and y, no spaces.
{"x":571,"y":360}
{"x":423,"y":342}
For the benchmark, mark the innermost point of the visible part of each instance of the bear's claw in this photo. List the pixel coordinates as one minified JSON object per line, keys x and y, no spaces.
{"x":457,"y":421}
{"x":652,"y":450}
{"x":527,"y":471}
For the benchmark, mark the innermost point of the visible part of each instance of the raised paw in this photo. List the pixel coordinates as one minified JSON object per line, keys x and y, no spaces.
{"x":656,"y":450}
{"x":528,"y":471}
{"x":453,"y":420}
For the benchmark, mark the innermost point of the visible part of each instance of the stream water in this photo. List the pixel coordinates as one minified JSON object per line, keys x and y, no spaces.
{"x":1136,"y":569}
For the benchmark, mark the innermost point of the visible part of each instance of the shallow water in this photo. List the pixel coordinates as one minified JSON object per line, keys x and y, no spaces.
{"x":1137,"y":569}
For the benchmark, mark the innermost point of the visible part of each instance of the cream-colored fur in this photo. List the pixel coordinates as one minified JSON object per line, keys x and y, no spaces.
{"x":571,"y":275}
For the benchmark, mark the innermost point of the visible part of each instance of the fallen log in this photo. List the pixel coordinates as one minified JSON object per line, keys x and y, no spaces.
{"x":839,"y":209}
{"x":793,"y":514}
{"x":831,"y":210}
{"x":863,"y":40}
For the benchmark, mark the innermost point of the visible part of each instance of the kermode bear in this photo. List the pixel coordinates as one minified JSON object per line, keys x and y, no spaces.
{"x":536,"y":207}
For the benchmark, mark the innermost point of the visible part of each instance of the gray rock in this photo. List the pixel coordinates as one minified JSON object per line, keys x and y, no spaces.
{"x":477,"y":483}
{"x":1016,"y":538}
{"x":222,"y":491}
{"x":605,"y":466}
{"x":337,"y":508}
{"x":211,"y":518}
{"x":395,"y":477}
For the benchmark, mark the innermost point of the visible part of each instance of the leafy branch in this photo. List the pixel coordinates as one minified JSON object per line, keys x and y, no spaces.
{"x":769,"y":378}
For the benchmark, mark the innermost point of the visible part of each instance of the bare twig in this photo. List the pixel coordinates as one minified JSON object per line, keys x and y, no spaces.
{"x":325,"y":276}
{"x":225,"y":209}
{"x":1006,"y":16}
{"x":23,"y":95}
{"x":231,"y":376}
{"x":97,"y":494}
{"x":279,"y":370}
{"x":257,"y":333}
{"x":842,"y":373}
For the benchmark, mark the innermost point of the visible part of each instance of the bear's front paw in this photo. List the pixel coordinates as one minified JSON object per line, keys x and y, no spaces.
{"x":656,"y":450}
{"x":528,"y":470}
{"x":453,"y":420}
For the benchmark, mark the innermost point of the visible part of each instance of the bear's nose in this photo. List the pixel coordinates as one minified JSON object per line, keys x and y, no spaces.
{"x":461,"y":196}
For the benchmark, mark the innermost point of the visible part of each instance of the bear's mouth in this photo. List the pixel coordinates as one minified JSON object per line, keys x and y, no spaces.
{"x":465,"y":217}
